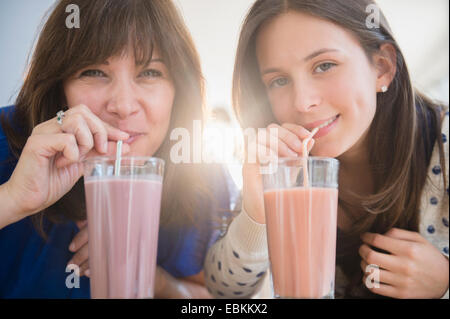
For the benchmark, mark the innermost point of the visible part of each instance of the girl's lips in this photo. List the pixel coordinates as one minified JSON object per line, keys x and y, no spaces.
{"x":325,"y":130}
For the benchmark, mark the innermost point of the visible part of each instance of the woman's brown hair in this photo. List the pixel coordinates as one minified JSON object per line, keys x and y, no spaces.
{"x":108,"y":28}
{"x":399,"y":139}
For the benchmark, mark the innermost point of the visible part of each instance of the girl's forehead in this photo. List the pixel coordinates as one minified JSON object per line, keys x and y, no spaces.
{"x":303,"y":34}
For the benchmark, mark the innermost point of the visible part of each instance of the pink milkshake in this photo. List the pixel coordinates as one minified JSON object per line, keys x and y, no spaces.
{"x":123,"y":222}
{"x":301,"y":233}
{"x":300,"y":201}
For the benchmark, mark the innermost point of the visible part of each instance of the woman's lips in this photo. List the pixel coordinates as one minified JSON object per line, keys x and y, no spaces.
{"x":133,"y":137}
{"x":326,"y":129}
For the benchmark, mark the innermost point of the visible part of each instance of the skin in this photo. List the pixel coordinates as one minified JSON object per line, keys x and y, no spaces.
{"x":115,"y":100}
{"x":314,"y":70}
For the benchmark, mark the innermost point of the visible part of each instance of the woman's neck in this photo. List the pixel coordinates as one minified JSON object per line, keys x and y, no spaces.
{"x":355,"y":178}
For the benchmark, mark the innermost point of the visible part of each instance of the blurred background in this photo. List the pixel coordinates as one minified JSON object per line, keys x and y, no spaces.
{"x":420,"y":26}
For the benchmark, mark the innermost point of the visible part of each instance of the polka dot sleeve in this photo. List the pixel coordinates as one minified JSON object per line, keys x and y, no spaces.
{"x":435,"y":199}
{"x":237,"y":263}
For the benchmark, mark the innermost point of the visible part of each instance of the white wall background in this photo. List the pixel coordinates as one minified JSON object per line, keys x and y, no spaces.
{"x":421,"y":27}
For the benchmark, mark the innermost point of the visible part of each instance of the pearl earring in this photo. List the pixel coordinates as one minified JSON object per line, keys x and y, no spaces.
{"x":384,"y":88}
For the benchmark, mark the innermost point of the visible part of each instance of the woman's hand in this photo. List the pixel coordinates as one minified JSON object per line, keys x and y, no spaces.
{"x":288,"y":139}
{"x":413,"y":269}
{"x":50,"y":163}
{"x":79,"y":246}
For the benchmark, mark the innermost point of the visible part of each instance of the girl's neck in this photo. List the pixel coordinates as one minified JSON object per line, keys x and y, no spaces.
{"x":354,"y":164}
{"x":355,"y":178}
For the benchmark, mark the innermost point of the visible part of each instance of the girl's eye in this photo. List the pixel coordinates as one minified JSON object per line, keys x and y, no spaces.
{"x":279,"y":82}
{"x":93,"y":73}
{"x":324,"y":67}
{"x":151,"y":73}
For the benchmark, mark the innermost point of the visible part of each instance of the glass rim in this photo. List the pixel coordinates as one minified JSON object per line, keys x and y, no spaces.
{"x":282,"y":160}
{"x":103,"y":159}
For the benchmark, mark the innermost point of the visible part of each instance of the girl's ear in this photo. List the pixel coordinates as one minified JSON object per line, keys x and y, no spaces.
{"x":385,"y":62}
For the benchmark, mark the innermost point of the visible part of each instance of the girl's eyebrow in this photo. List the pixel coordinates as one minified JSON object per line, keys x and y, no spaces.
{"x":318,"y":52}
{"x":305,"y":59}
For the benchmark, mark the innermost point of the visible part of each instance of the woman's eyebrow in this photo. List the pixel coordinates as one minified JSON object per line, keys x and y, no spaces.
{"x":305,"y":59}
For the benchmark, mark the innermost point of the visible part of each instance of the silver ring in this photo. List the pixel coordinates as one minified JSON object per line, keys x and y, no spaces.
{"x":59,"y":117}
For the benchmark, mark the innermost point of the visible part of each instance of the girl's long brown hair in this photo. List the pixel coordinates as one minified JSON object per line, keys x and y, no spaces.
{"x":399,"y":137}
{"x":108,"y":28}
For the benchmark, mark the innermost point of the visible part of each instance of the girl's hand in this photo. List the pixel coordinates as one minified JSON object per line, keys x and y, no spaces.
{"x":79,"y":246}
{"x":168,"y":287}
{"x":412,"y":268}
{"x":50,"y":163}
{"x":289,"y":139}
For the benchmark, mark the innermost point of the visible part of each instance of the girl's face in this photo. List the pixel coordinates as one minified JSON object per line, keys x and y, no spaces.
{"x":315,"y":71}
{"x":135,"y":99}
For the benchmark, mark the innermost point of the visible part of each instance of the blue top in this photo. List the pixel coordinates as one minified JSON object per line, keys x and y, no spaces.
{"x":31,"y":267}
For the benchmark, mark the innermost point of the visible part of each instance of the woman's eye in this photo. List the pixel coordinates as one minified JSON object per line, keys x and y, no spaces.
{"x":151,"y":73}
{"x":324,"y":67}
{"x":278,"y":82}
{"x":93,"y":73}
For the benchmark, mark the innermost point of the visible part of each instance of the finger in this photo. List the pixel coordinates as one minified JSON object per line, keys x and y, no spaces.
{"x":50,"y":145}
{"x":389,"y":244}
{"x":380,"y":275}
{"x":298,"y":130}
{"x":101,"y":131}
{"x":302,"y":134}
{"x":403,"y":234}
{"x":379,"y":288}
{"x":280,"y":148}
{"x":81,"y":223}
{"x":84,"y":267}
{"x":111,"y":151}
{"x":80,"y":256}
{"x":289,"y":138}
{"x":76,"y":125}
{"x":385,"y":261}
{"x":80,"y":239}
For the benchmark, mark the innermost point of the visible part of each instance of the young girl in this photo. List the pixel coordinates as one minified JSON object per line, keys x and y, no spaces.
{"x":131,"y":73}
{"x":300,"y":63}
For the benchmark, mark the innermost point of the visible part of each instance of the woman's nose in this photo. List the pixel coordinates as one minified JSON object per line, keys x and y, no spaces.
{"x":124,"y":101}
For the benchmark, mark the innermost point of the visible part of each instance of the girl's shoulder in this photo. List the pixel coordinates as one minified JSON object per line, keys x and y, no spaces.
{"x":434,"y":208}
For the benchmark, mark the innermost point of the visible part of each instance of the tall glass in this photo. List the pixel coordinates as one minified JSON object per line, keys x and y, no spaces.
{"x":123,"y":207}
{"x":301,"y":226}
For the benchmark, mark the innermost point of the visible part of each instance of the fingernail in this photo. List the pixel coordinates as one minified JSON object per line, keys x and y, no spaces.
{"x":72,"y":247}
{"x":298,"y":145}
{"x":292,"y":153}
{"x":105,"y":147}
{"x":87,"y":272}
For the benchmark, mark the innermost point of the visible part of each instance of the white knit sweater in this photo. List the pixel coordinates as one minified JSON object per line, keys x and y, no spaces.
{"x":236,"y":264}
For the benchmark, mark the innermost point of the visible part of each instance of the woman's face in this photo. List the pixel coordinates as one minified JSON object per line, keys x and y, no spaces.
{"x":315,"y":71}
{"x":135,"y":99}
